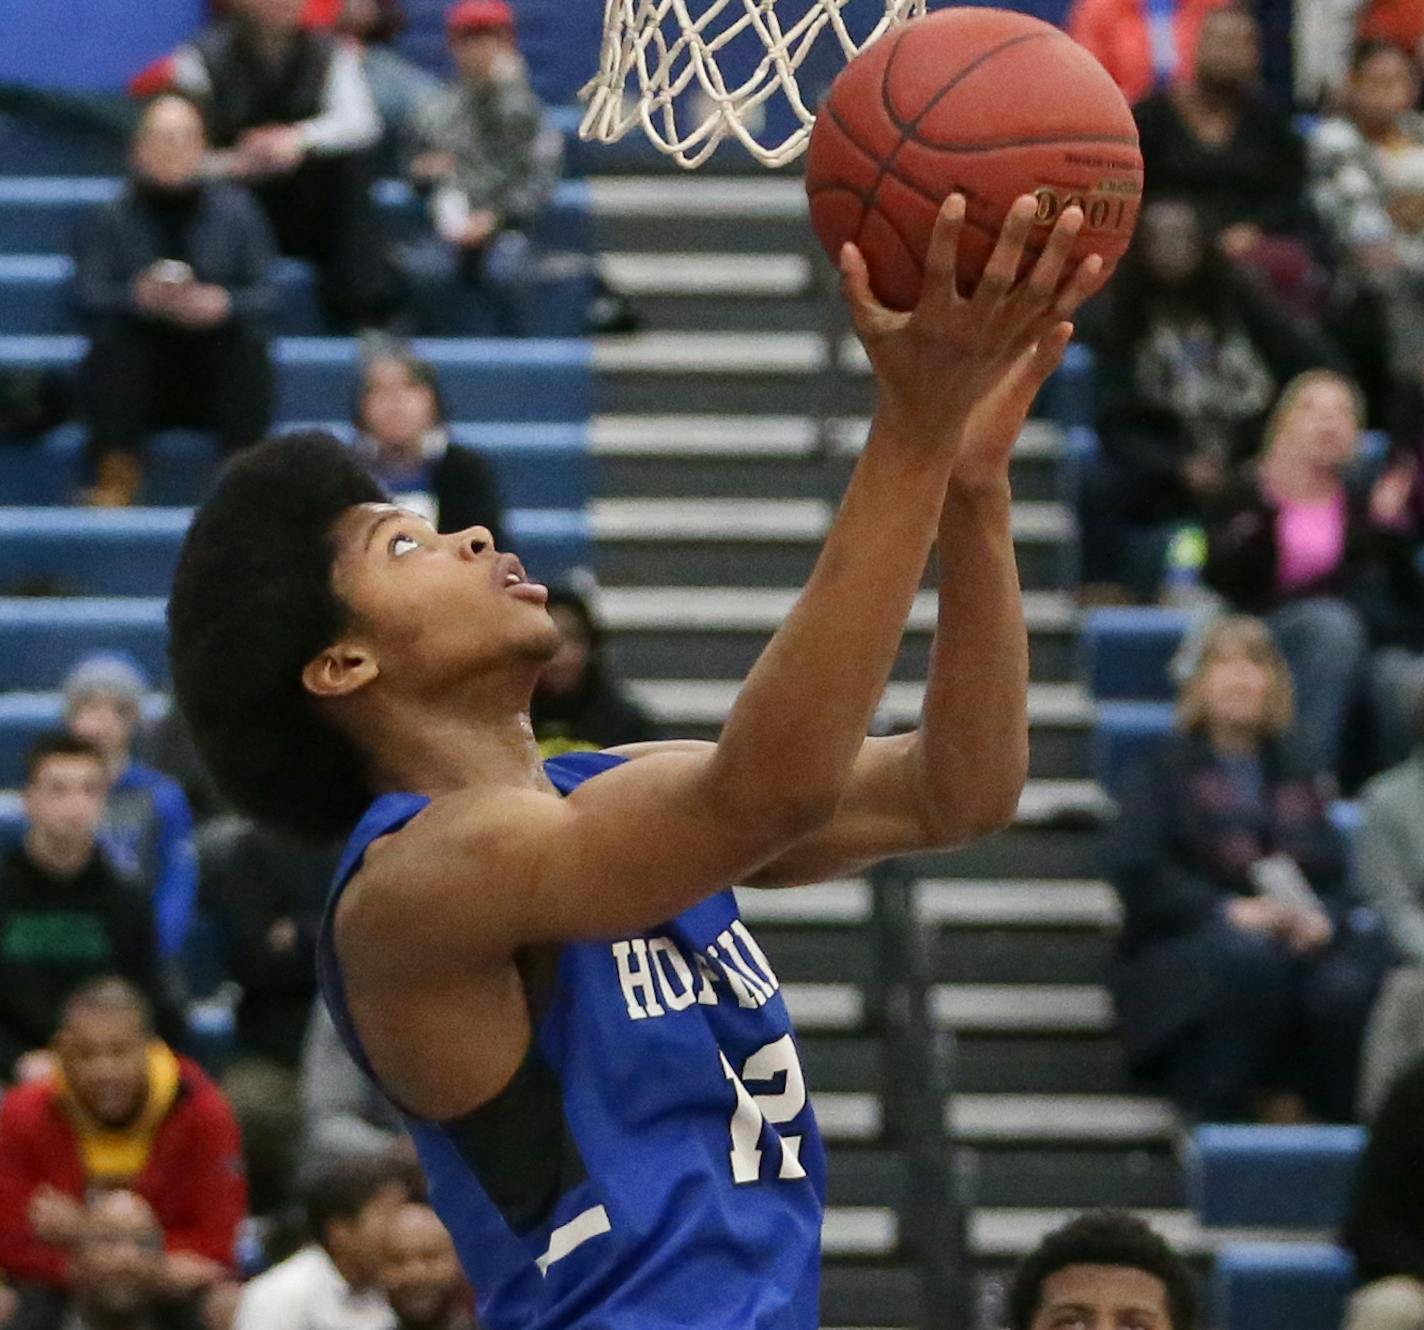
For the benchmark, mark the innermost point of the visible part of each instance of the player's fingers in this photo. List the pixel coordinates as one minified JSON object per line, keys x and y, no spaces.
{"x":1048,"y":354}
{"x":1047,"y":275}
{"x":869,"y":314}
{"x":1003,"y":266}
{"x":1086,"y":281}
{"x":940,"y":290}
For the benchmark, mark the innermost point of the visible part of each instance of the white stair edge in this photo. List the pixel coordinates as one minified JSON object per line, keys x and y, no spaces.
{"x":708,"y":196}
{"x":1114,"y":1119}
{"x":1047,"y":801}
{"x":762,"y":609}
{"x":824,"y":1006}
{"x":859,"y":1230}
{"x":616,"y":435}
{"x":995,"y":1232}
{"x":711,"y":353}
{"x":1066,"y":1008}
{"x":844,"y":901}
{"x":708,"y":701}
{"x":756,"y":276}
{"x":791,"y":520}
{"x":1011,"y":903}
{"x":845,"y":1115}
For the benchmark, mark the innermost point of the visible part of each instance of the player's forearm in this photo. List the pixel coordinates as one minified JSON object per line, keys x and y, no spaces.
{"x":804,"y":710}
{"x":971,"y":753}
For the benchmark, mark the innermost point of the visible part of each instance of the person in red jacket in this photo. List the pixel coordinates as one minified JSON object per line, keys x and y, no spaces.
{"x":121,"y":1111}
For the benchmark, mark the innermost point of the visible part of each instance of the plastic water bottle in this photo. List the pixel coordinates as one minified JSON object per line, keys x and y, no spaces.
{"x":1186,"y":557}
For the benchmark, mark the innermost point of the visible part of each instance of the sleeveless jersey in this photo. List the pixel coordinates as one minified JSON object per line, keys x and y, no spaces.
{"x":654,"y":1163}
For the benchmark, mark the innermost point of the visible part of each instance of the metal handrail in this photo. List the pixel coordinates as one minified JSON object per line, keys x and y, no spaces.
{"x":917,"y":1086}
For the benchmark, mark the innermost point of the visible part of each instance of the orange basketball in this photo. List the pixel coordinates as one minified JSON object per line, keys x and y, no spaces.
{"x":985,"y":102}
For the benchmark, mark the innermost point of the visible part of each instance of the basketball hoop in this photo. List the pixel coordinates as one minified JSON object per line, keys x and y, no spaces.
{"x":659,"y":68}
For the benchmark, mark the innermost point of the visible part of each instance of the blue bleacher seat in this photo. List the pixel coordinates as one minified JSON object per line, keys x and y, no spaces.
{"x":1272,"y":1177}
{"x":40,"y":214}
{"x":535,"y":380}
{"x":133,"y":551}
{"x":1126,"y":653}
{"x":536,"y":465}
{"x":1279,"y":1286}
{"x":41,"y":638}
{"x":1125,"y":734}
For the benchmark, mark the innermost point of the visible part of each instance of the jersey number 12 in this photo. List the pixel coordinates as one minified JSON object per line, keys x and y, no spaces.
{"x":770,"y":1108}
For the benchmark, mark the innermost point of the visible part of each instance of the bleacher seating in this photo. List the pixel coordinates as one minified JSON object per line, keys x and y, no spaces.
{"x":1275,"y":1285}
{"x":1283,"y":1179}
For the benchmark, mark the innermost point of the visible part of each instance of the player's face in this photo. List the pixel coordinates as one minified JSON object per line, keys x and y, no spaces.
{"x":1102,"y":1297}
{"x":436,"y":610}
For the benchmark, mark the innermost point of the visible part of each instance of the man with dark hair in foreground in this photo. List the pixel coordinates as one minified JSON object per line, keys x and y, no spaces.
{"x":1103,"y":1271}
{"x":542,"y":964}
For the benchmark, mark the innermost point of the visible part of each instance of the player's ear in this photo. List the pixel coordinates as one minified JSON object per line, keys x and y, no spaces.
{"x":340,"y":670}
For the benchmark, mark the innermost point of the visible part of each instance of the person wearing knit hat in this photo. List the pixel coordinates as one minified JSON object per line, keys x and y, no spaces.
{"x":148,"y":825}
{"x":480,"y":16}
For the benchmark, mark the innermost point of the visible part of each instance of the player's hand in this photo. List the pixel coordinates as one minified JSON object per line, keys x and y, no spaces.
{"x":935,"y":365}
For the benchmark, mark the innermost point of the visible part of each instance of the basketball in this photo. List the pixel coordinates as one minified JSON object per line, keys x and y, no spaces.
{"x":986,"y":102}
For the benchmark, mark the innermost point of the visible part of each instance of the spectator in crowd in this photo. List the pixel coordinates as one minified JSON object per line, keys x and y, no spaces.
{"x":577,"y":703}
{"x":168,"y":747}
{"x":1105,"y":1268}
{"x":1367,"y":169}
{"x":291,"y":115}
{"x":122,"y":1110}
{"x":398,"y":85}
{"x":1237,"y":945}
{"x":486,"y":152}
{"x":345,"y":1116}
{"x":1220,"y":141}
{"x":1190,"y":358}
{"x":1327,"y":558}
{"x":1385,"y":1229}
{"x":148,"y":826}
{"x":175,"y":277}
{"x":1142,"y":45}
{"x":116,"y":1276}
{"x":421,"y":1274}
{"x":403,"y":438}
{"x":333,"y":1281}
{"x":65,"y":915}
{"x":269,"y":891}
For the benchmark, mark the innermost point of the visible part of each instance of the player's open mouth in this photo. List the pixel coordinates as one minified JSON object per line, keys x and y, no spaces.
{"x":511,"y":577}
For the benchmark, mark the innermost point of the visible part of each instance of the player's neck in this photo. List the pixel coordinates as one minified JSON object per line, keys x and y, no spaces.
{"x":450,"y":744}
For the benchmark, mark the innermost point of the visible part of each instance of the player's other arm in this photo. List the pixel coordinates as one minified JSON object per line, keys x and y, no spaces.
{"x":646,"y":840}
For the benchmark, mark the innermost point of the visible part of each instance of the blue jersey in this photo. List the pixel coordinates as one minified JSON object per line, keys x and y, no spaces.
{"x":654,"y":1163}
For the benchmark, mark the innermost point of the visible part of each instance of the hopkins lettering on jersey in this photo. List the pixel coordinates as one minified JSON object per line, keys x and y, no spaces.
{"x":658,"y":977}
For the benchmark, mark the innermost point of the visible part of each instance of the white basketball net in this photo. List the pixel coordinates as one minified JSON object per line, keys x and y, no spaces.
{"x":655,"y":51}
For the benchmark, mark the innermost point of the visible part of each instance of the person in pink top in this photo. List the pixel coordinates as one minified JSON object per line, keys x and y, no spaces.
{"x":1143,"y":44}
{"x":1327,"y":557}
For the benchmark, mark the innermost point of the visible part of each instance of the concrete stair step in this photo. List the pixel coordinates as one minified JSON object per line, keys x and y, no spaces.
{"x":692,"y":213}
{"x":771,"y":542}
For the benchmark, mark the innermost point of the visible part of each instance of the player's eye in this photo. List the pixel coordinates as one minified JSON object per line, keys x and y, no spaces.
{"x":402,"y":544}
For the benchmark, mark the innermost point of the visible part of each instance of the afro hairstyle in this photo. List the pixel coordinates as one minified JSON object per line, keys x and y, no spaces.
{"x":252,"y":603}
{"x":1103,"y":1237}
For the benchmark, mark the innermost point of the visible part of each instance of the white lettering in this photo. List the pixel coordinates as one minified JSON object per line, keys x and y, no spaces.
{"x":680,"y":996}
{"x":754,"y":951}
{"x":706,"y":994}
{"x":636,"y":977}
{"x":746,"y":996}
{"x":734,"y":959}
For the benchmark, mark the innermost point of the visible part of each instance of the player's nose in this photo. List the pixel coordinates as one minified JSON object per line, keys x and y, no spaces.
{"x":473,"y":541}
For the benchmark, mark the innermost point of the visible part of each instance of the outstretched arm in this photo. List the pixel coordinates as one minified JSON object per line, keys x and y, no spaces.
{"x":647,"y":840}
{"x":959,"y":775}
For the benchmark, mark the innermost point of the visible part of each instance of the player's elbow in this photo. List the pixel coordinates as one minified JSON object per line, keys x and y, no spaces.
{"x":977,"y":807}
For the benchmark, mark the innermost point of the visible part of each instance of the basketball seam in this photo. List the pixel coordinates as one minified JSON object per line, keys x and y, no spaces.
{"x":870,"y":198}
{"x":905,"y":126}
